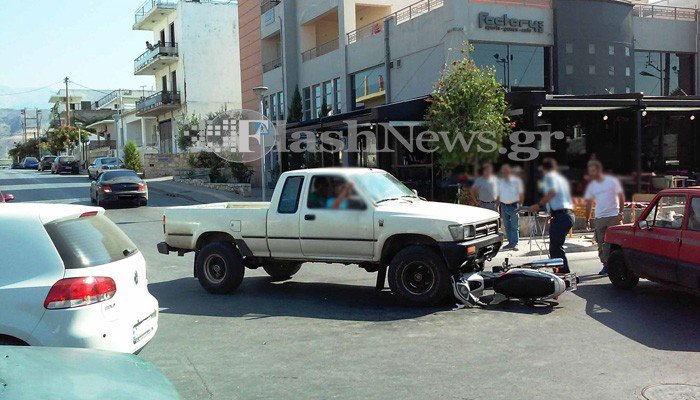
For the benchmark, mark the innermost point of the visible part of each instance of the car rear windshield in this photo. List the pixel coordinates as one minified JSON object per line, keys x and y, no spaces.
{"x":67,"y":159}
{"x":109,"y":161}
{"x":49,"y":158}
{"x":89,"y":241}
{"x":31,"y":159}
{"x":106,"y":176}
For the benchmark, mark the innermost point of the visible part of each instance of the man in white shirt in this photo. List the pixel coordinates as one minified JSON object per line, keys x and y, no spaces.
{"x":609,"y":199}
{"x":510,"y":197}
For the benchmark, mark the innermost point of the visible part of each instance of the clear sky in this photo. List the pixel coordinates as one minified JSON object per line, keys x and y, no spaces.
{"x":90,"y":41}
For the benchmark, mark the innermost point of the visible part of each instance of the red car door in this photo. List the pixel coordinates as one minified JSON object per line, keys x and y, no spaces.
{"x":654,"y":252}
{"x":689,"y":254}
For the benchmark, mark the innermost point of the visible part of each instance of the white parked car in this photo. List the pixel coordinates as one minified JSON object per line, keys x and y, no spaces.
{"x":340,"y":215}
{"x":69,"y":277}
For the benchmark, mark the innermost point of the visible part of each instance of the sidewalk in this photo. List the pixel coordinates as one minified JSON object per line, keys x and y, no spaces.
{"x":539,"y":246}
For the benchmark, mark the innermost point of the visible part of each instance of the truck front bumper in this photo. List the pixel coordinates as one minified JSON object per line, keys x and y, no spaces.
{"x":459,"y":255}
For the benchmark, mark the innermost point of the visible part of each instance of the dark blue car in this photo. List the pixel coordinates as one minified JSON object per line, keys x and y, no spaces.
{"x":29,"y":163}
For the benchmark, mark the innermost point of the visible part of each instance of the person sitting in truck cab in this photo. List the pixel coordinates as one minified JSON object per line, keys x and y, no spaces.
{"x":340,"y":199}
{"x":319,"y":193}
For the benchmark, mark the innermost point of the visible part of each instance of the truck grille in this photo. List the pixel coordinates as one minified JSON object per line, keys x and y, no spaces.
{"x":485,"y":229}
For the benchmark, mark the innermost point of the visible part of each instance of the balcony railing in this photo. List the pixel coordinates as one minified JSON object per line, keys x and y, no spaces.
{"x":158,"y":50}
{"x":403,"y":15}
{"x":106,"y":99}
{"x":150,"y":5}
{"x":665,"y":12}
{"x":274,"y":64}
{"x":267,"y":5}
{"x":320,"y":50}
{"x":162,"y":98}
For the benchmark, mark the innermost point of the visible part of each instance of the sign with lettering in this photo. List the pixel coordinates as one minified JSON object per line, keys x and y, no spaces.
{"x":508,"y":24}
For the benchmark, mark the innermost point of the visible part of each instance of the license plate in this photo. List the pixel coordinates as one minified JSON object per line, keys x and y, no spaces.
{"x":144,"y":327}
{"x":572,"y":280}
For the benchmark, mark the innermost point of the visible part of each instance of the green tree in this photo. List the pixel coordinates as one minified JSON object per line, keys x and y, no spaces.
{"x":324,"y":109}
{"x":66,"y":137}
{"x":30,"y":148}
{"x":132,"y":158}
{"x":295,"y":113}
{"x":468,"y":101}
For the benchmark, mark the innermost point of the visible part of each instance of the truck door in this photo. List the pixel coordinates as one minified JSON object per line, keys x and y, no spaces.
{"x":689,"y":254}
{"x":336,"y":223}
{"x":283,"y":220}
{"x":654,"y":252}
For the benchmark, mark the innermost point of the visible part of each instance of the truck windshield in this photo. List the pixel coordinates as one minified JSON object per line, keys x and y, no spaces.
{"x":382,"y":186}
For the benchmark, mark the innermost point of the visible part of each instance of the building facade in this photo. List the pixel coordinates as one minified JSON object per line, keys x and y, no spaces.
{"x":345,"y":56}
{"x":195,"y":60}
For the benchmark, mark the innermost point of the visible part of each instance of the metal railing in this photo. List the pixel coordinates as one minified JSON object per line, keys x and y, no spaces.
{"x":403,"y":15}
{"x":274,"y":64}
{"x":150,"y":5}
{"x":267,"y":5}
{"x":106,"y":99}
{"x":320,"y":50}
{"x":517,"y":3}
{"x":665,"y":12}
{"x":158,"y":50}
{"x":158,"y":99}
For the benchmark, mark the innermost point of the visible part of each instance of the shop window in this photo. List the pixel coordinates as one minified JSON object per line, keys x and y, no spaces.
{"x":307,"y":103}
{"x":523,"y":67}
{"x":664,"y":74}
{"x":591,"y":70}
{"x":611,"y":50}
{"x":317,"y":101}
{"x":627,"y":51}
{"x":628,"y":71}
{"x":337,"y":93}
{"x":611,"y":70}
{"x":282,"y":111}
{"x":368,"y":88}
{"x":591,"y":48}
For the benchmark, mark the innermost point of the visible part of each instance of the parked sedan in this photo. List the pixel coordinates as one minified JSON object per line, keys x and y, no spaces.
{"x":118,"y":185}
{"x":65,"y":164}
{"x":103,"y":164}
{"x":29,"y":163}
{"x":16,"y":165}
{"x":46,"y":163}
{"x":60,"y":373}
{"x":72,"y":278}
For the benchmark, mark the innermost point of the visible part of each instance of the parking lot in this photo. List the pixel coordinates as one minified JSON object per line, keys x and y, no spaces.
{"x":327,"y":334}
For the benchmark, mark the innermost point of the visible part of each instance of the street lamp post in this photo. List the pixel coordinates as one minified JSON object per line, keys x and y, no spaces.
{"x":261,"y":91}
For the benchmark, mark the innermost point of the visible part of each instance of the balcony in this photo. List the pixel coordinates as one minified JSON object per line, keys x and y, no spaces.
{"x":665,"y":12}
{"x":161,"y":55}
{"x":158,"y":103}
{"x":272,"y":65}
{"x":320,"y":50}
{"x":403,"y":15}
{"x":267,"y":5}
{"x":105,"y":100}
{"x":152,"y":11}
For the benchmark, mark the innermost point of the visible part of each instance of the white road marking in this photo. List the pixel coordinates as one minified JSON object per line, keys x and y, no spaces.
{"x":61,"y":201}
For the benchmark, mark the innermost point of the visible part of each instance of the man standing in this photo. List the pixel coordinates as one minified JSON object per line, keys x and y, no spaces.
{"x":485,"y":188}
{"x":510,"y":196}
{"x":609,"y":199}
{"x":557,"y":200}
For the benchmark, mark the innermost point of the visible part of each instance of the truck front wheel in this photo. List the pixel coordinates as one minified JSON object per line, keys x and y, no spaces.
{"x":280,"y":272}
{"x":219,"y":268}
{"x":418,"y":276}
{"x":619,"y":273}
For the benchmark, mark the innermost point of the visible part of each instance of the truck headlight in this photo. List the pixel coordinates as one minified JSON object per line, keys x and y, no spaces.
{"x":462,"y":232}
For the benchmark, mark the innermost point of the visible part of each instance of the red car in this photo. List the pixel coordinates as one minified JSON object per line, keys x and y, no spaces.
{"x":663,"y":245}
{"x":4,"y":198}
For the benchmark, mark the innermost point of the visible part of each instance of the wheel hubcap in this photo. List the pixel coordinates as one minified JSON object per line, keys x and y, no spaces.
{"x":215,"y":268}
{"x":418,"y":278}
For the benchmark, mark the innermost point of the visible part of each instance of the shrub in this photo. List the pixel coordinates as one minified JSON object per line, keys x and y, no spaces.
{"x":132,"y":158}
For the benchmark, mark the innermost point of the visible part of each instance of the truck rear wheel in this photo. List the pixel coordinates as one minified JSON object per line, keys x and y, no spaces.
{"x":280,"y":272}
{"x":418,"y":276}
{"x":219,"y":268}
{"x":619,"y":273}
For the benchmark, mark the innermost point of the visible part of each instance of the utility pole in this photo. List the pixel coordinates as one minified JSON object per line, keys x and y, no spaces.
{"x":24,"y":123}
{"x":67,"y":103}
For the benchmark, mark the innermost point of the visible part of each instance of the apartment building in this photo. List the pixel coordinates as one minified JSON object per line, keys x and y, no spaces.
{"x":195,"y":60}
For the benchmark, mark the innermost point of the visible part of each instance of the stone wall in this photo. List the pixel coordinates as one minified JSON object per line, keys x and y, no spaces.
{"x":242,"y":189}
{"x":157,"y":165}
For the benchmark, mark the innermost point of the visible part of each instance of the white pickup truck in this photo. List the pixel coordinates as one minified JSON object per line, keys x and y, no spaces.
{"x":336,"y":215}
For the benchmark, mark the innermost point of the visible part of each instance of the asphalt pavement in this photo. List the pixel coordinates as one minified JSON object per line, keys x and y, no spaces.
{"x":327,"y":334}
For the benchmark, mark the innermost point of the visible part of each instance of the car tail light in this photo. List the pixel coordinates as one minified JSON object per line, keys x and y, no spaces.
{"x":142,"y":187}
{"x":88,"y":214}
{"x":79,"y":292}
{"x":106,"y":189}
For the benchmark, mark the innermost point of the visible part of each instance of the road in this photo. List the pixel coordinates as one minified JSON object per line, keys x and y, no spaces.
{"x":327,"y":334}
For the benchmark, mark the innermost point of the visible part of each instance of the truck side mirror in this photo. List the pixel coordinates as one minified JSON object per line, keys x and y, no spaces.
{"x":644,"y":224}
{"x":415,"y":192}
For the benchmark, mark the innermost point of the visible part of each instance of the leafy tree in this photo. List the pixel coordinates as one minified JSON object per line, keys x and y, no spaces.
{"x":66,"y":137}
{"x":324,"y":109}
{"x":132,"y":158}
{"x":295,"y":113}
{"x":30,"y":148}
{"x":188,"y":127}
{"x":468,"y":101}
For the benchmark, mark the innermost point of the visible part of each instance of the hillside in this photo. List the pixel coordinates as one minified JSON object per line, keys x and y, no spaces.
{"x":11,"y":128}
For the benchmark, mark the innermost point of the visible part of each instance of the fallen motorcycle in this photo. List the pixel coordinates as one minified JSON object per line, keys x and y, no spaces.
{"x":528,"y":283}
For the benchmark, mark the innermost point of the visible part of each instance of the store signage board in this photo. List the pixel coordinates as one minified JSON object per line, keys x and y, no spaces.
{"x":508,"y":24}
